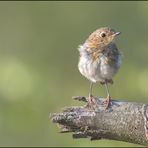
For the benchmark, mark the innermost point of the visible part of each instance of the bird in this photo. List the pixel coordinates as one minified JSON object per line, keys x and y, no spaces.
{"x":99,"y":60}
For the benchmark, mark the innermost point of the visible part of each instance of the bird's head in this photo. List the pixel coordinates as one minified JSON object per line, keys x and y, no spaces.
{"x":101,"y":37}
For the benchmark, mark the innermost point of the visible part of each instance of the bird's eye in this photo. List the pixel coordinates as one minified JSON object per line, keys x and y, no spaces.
{"x":102,"y":34}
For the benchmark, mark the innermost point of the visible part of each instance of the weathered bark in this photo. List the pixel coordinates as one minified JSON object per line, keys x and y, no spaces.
{"x":123,"y":121}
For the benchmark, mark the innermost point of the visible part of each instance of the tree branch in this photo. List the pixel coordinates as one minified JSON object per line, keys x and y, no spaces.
{"x":123,"y":121}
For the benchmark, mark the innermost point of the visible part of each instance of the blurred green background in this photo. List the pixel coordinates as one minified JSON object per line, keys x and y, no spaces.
{"x":38,"y":64}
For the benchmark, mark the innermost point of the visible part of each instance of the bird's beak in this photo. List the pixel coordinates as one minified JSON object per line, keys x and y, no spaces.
{"x":117,"y":33}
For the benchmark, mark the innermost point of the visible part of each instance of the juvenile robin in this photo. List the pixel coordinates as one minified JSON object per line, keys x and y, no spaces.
{"x":100,"y":60}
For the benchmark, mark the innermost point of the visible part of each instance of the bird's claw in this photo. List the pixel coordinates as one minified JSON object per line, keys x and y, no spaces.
{"x":108,"y":102}
{"x":91,"y":102}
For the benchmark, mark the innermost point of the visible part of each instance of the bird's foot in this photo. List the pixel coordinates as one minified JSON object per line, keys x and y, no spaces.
{"x":108,"y":102}
{"x":91,"y":102}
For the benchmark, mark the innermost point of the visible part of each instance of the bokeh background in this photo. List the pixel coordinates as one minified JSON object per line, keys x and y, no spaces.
{"x":38,"y":64}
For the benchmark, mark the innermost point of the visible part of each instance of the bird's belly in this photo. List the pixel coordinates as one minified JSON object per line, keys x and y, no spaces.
{"x":109,"y":68}
{"x":90,"y":69}
{"x":107,"y":71}
{"x":96,"y":70}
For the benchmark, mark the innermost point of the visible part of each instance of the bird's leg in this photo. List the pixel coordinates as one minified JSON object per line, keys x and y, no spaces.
{"x":108,"y":98}
{"x":91,"y":99}
{"x":90,"y":90}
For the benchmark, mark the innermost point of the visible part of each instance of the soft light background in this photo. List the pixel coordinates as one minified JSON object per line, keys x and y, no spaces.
{"x":38,"y":64}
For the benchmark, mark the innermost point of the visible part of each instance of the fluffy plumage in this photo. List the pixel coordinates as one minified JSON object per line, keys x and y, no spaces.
{"x":100,"y":58}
